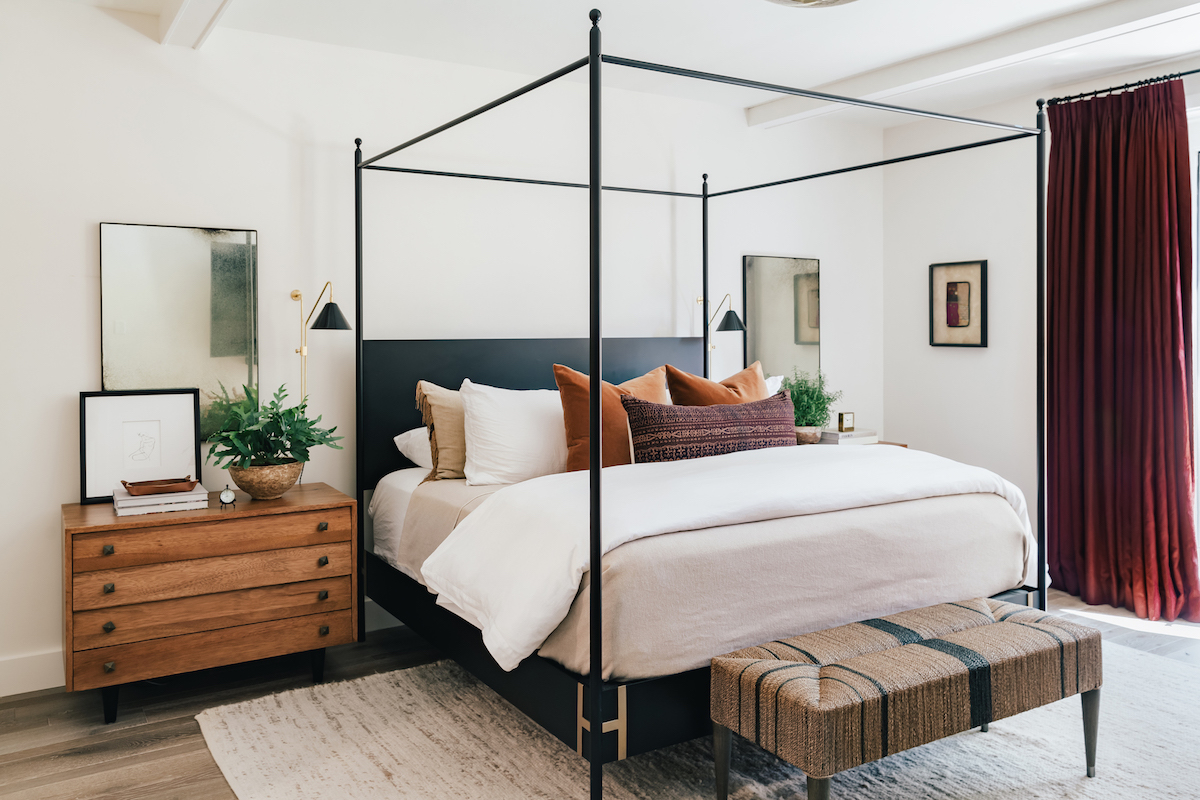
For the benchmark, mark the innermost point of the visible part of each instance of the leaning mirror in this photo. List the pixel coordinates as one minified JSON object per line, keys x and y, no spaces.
{"x":783,"y":313}
{"x":179,"y":310}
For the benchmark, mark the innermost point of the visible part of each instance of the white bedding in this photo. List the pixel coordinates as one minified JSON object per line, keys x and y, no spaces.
{"x":389,"y":506}
{"x":513,"y":567}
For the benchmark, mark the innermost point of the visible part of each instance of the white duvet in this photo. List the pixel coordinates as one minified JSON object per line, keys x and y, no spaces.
{"x":513,"y":567}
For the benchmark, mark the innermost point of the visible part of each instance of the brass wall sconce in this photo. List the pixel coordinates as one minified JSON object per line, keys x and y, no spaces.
{"x":330,"y":319}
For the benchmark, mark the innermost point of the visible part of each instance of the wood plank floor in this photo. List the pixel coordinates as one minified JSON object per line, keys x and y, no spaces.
{"x":54,"y":745}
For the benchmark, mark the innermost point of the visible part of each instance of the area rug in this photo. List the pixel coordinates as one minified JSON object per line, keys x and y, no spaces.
{"x":436,"y":732}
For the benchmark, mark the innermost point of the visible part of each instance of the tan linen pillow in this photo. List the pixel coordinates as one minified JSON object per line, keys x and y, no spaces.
{"x":574,"y":388}
{"x":442,"y":412}
{"x":692,"y":390}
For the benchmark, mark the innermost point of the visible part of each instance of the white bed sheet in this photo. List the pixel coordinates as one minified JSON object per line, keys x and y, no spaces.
{"x":389,"y":506}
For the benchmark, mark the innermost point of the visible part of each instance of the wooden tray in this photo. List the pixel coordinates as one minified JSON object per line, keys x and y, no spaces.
{"x":161,"y":486}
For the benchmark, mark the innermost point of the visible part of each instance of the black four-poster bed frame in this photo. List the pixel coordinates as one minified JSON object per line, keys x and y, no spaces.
{"x":642,"y":715}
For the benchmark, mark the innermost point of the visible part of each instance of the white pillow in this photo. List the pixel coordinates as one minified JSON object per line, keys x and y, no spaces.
{"x":414,"y":445}
{"x":774,"y":384}
{"x":512,"y":436}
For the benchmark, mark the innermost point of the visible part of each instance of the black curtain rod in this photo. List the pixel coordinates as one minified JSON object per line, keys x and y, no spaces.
{"x":874,"y":164}
{"x":831,"y":98}
{"x":1054,"y":101}
{"x":529,"y":87}
{"x":411,"y":171}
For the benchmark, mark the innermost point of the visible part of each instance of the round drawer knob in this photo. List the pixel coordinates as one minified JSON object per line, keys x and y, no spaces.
{"x":108,"y":627}
{"x":322,"y":526}
{"x":323,"y":630}
{"x":109,"y":588}
{"x":322,"y":561}
{"x":107,"y":550}
{"x":110,"y":666}
{"x":323,"y":594}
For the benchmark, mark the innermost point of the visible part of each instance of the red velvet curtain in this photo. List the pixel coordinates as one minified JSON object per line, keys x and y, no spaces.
{"x":1121,"y":479}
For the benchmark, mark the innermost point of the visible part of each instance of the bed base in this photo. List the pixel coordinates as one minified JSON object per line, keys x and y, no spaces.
{"x":639,"y":716}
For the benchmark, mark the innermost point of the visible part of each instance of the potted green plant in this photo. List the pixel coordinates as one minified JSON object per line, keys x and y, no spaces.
{"x":813,"y":402}
{"x":265,"y":448}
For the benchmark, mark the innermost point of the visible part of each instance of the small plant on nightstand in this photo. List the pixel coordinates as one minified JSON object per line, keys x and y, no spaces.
{"x":813,"y":402}
{"x":265,"y":448}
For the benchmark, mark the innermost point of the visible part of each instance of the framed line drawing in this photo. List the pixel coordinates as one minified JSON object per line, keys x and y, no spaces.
{"x":136,"y":435}
{"x":958,"y":304}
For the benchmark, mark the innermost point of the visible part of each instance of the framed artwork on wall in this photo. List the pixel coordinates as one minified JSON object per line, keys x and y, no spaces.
{"x":806,"y":294}
{"x":136,"y":435}
{"x":958,"y":304}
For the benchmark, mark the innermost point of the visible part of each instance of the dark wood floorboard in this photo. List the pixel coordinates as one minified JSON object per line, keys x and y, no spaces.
{"x":54,"y":744}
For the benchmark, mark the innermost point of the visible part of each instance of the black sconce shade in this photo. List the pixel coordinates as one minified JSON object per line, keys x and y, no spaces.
{"x":331,"y":319}
{"x":731,"y":322}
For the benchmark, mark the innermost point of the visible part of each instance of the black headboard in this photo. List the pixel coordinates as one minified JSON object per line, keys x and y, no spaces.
{"x":392,"y":367}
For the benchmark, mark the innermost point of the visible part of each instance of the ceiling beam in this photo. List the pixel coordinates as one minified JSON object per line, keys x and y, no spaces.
{"x":1017,"y":46}
{"x":187,"y":23}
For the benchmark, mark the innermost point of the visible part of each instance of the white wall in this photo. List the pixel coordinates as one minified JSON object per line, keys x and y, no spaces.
{"x":100,"y":123}
{"x":978,"y":406}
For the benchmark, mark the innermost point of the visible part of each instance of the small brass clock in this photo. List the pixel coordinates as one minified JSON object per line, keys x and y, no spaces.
{"x":228,"y":497}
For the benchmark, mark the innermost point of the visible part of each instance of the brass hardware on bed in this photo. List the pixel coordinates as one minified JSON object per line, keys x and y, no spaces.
{"x":620,"y":724}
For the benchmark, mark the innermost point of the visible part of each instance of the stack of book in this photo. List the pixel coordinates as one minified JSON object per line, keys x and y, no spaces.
{"x":859,"y":436}
{"x":127,"y":505}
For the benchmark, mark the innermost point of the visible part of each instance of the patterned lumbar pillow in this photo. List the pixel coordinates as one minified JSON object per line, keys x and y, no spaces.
{"x":672,"y":433}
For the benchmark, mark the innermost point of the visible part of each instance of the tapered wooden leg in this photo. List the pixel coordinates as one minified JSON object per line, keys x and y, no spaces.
{"x":318,"y":665}
{"x":722,"y":753}
{"x":1091,"y":724}
{"x":818,"y":788}
{"x":108,"y":696}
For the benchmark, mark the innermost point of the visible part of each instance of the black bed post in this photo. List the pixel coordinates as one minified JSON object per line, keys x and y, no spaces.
{"x":704,"y":264}
{"x":595,"y":370}
{"x":1043,"y":130}
{"x":359,"y":450}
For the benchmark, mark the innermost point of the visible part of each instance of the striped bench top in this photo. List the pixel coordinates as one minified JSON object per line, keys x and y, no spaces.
{"x":834,"y":699}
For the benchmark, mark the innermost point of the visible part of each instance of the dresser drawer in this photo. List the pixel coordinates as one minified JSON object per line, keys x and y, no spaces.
{"x":130,"y":585}
{"x":105,"y":627}
{"x":206,"y":539}
{"x":108,"y":666}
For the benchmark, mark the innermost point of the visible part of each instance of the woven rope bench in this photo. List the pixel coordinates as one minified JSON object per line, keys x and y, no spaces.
{"x":835,"y":699}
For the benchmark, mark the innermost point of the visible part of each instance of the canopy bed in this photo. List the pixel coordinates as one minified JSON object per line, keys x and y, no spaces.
{"x":639,"y":714}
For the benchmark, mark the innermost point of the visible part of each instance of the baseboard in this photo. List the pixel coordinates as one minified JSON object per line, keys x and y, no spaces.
{"x":31,"y":673}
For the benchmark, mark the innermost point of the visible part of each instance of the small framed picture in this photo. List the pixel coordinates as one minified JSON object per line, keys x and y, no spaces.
{"x":136,"y":435}
{"x":958,"y":304}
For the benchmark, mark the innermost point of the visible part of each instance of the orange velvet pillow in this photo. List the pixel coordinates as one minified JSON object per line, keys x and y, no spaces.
{"x":574,"y":388}
{"x":692,"y":390}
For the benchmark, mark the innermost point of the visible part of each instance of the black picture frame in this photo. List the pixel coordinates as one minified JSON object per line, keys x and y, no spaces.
{"x":84,"y":397}
{"x":938,"y":310}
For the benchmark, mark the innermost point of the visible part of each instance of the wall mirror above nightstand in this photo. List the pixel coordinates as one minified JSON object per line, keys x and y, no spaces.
{"x":782,"y":312}
{"x":179,"y":308}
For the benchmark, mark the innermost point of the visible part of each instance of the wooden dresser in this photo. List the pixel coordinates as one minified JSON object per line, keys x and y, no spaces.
{"x":159,"y":594}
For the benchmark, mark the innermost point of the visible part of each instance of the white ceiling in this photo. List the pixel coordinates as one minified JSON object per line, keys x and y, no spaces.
{"x":947,"y":55}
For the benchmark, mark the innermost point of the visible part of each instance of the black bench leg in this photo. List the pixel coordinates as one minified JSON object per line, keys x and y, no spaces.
{"x":984,"y":727}
{"x":108,"y":696}
{"x":818,"y":788}
{"x":1091,"y":723}
{"x":722,"y":753}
